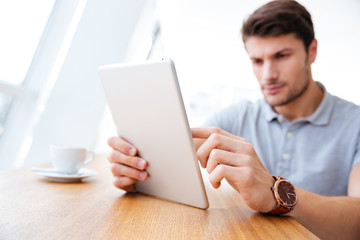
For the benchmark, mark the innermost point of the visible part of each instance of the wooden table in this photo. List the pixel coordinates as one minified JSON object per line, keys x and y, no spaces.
{"x":32,"y":207}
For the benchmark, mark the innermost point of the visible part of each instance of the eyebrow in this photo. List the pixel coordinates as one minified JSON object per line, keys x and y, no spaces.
{"x":276,"y":53}
{"x":283,"y":50}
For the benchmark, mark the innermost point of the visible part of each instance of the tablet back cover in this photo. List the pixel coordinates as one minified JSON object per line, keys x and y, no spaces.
{"x":148,"y":111}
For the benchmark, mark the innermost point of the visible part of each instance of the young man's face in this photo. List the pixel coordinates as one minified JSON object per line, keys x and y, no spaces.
{"x":281,"y":66}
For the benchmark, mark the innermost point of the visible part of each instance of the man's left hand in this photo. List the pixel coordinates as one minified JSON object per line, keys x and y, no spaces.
{"x":225,"y":155}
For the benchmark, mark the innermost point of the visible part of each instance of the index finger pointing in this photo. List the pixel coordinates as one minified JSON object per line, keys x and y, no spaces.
{"x":204,"y":132}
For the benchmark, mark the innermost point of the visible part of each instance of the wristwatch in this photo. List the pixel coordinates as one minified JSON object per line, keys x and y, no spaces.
{"x":285,"y":196}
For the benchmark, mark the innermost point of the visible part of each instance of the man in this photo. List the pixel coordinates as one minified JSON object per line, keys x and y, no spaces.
{"x":299,"y":132}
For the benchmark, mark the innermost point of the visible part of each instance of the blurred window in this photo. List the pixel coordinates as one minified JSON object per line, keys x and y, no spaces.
{"x":22,"y":23}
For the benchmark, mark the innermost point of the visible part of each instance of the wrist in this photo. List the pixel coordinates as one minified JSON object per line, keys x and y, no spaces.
{"x":272,"y":201}
{"x":285,"y":196}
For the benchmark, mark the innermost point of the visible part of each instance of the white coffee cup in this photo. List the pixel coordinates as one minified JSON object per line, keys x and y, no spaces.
{"x":69,"y":159}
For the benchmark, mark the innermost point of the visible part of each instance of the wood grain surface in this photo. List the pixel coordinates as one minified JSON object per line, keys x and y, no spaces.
{"x":31,"y":207}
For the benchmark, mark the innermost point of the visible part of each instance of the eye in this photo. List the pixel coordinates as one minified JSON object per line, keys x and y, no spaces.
{"x":256,"y":61}
{"x":282,"y":55}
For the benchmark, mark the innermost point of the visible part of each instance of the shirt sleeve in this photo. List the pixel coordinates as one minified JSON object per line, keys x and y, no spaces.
{"x":228,"y":118}
{"x":212,"y":121}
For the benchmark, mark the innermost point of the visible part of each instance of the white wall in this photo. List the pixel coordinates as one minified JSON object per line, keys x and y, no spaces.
{"x":203,"y":37}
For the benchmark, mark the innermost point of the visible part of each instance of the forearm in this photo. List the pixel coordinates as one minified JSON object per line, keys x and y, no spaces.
{"x":328,"y":217}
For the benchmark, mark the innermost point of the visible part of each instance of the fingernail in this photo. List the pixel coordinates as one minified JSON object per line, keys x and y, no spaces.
{"x":132,"y":151}
{"x":141,"y":164}
{"x":142,"y":175}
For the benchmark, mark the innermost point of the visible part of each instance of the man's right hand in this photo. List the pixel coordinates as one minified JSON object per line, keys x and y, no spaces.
{"x":126,"y":167}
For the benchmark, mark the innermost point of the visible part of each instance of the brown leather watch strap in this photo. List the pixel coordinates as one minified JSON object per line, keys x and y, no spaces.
{"x":280,"y":209}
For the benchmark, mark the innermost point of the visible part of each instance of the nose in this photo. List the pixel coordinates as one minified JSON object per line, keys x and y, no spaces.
{"x":270,"y":72}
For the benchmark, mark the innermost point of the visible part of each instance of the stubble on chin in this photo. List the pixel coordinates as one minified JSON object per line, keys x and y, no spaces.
{"x":277,"y":100}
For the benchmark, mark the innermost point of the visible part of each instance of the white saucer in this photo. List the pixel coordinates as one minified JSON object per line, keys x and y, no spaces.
{"x":55,"y":176}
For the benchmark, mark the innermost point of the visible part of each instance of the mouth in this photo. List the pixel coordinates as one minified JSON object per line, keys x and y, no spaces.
{"x":273,"y":89}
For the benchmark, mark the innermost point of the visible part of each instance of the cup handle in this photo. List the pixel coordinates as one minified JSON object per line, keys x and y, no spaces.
{"x":92,"y":154}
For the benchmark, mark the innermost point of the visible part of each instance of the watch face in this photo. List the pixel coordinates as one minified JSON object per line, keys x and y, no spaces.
{"x":287,"y":193}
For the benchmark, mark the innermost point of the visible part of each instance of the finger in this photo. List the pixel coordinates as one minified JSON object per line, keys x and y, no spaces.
{"x":204,"y":132}
{"x":121,"y":145}
{"x":135,"y":162}
{"x":120,"y":170}
{"x":217,"y":175}
{"x":218,"y":156}
{"x":198,"y":142}
{"x":125,"y":183}
{"x":218,"y":141}
{"x":220,"y":172}
{"x":207,"y":132}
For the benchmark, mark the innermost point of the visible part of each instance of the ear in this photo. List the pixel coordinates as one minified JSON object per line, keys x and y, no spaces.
{"x":312,"y":51}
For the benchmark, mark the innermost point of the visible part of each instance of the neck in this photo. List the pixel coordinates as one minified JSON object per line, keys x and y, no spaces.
{"x":304,"y":106}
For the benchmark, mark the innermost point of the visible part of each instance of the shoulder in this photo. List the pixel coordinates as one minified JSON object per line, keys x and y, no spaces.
{"x":344,"y":108}
{"x":241,"y":108}
{"x":236,"y":113}
{"x":345,"y":119}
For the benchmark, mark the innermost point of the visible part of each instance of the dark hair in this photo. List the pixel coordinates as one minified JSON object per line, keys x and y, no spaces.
{"x":279,"y":18}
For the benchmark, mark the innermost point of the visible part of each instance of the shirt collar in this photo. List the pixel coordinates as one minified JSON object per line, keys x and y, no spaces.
{"x":320,"y":117}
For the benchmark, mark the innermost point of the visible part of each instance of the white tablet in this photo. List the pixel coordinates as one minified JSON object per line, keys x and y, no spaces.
{"x":148,"y":111}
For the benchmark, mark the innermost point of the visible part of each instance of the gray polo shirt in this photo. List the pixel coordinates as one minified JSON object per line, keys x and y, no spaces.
{"x":315,"y":153}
